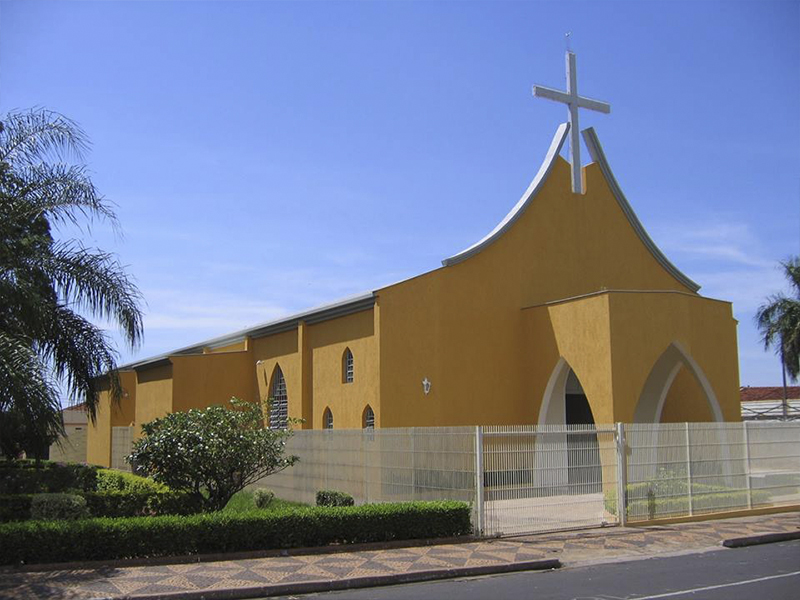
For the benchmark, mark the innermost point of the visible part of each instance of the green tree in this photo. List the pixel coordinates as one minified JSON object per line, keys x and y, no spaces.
{"x":779,"y":320}
{"x":211,"y":453}
{"x":50,"y":288}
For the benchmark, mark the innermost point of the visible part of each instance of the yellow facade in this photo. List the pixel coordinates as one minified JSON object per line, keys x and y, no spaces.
{"x":567,"y":289}
{"x":109,"y":415}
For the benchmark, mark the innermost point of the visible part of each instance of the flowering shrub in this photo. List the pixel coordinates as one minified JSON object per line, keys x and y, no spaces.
{"x":211,"y":453}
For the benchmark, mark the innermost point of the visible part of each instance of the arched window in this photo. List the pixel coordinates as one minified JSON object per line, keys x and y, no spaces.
{"x":347,"y":366}
{"x":327,"y":419}
{"x":279,"y":408}
{"x":368,"y":420}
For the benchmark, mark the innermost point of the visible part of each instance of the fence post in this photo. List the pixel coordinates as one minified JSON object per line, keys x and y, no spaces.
{"x":479,"y":526}
{"x":689,"y":469}
{"x":622,"y":475}
{"x":747,"y":465}
{"x":413,"y":464}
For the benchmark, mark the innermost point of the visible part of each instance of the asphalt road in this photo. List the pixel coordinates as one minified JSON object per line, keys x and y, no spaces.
{"x":768,"y":572}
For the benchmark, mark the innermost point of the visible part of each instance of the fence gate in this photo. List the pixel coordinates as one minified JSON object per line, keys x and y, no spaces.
{"x":546,"y":478}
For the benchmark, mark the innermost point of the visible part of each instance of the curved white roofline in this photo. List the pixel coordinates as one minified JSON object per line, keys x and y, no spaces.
{"x":596,"y":152}
{"x":549,"y":160}
{"x":598,"y":156}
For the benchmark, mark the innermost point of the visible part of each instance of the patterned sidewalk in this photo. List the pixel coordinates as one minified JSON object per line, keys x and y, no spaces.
{"x":573,"y":548}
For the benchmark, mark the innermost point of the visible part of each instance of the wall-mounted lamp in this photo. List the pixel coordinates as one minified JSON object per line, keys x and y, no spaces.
{"x":426,"y":386}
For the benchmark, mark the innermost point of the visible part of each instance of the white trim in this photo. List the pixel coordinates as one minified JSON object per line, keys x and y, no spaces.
{"x":598,"y":156}
{"x":650,"y":403}
{"x":556,"y":388}
{"x":550,"y":159}
{"x":703,"y":380}
{"x":667,"y":385}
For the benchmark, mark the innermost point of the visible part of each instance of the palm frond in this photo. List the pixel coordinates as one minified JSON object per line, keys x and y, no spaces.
{"x":30,"y":137}
{"x":791,"y":268}
{"x":778,"y":320}
{"x":80,"y":355}
{"x":23,"y":380}
{"x":62,"y":193}
{"x":96,"y":282}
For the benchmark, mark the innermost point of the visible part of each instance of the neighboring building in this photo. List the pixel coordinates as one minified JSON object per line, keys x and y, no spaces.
{"x":766,"y":403}
{"x":72,"y":447}
{"x":566,"y":312}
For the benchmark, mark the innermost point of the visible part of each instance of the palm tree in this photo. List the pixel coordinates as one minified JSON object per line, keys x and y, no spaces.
{"x":49,"y":288}
{"x":779,"y":323}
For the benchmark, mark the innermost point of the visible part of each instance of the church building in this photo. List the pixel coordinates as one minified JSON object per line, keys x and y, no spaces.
{"x":566,"y":312}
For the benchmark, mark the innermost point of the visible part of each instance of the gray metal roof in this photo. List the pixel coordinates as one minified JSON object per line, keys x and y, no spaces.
{"x":318,"y":314}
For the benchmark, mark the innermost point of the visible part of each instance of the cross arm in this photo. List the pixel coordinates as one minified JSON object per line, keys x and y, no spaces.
{"x":551,"y":94}
{"x":594,"y":105}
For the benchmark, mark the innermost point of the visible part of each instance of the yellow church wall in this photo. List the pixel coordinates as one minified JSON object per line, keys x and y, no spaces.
{"x":98,"y":436}
{"x":461,"y":326}
{"x":203,"y":380}
{"x":685,"y":401}
{"x":153,"y":395}
{"x":240,"y":346}
{"x":281,"y":349}
{"x":110,"y":414}
{"x":643,"y":325}
{"x":487,"y":332}
{"x":578,"y":331}
{"x":327,"y":342}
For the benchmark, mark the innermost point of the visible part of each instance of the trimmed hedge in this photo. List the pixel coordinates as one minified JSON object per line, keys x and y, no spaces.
{"x":334,"y":498}
{"x":48,"y":507}
{"x":17,"y":507}
{"x":106,"y":539}
{"x":26,"y":477}
{"x":120,"y":481}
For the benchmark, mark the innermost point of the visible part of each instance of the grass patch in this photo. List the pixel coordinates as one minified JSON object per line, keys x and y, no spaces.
{"x":242,"y":502}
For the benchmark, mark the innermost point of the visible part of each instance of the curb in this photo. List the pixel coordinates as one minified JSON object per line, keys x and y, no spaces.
{"x":310,"y":587}
{"x":156,"y":561}
{"x":764,"y":538}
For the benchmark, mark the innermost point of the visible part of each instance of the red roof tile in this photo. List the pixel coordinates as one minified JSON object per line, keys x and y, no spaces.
{"x":751,"y":394}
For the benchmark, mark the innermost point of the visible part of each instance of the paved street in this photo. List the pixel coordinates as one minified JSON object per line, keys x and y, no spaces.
{"x":771,"y":571}
{"x":295,"y":570}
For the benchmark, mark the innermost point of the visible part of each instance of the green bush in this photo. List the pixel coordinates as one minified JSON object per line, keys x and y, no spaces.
{"x":212,"y":453}
{"x":334,"y":498}
{"x":119,"y":481}
{"x":26,"y":477}
{"x":656,"y":501}
{"x":106,"y":539}
{"x":17,"y":507}
{"x":263,"y":497}
{"x":49,"y":507}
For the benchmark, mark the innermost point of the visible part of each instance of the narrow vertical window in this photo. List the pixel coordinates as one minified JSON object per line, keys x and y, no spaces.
{"x":369,"y":418}
{"x":279,"y":408}
{"x":347,"y":366}
{"x":327,"y":419}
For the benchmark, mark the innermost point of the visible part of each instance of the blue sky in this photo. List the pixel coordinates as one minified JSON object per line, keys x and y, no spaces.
{"x":268,"y":157}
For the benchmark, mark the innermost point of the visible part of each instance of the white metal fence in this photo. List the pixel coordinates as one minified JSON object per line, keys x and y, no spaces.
{"x":121,"y":446}
{"x":544,"y":478}
{"x":685,"y":469}
{"x":380,"y":465}
{"x":527,"y":479}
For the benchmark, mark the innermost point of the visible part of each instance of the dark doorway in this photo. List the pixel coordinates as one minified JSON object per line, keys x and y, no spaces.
{"x":585,"y":475}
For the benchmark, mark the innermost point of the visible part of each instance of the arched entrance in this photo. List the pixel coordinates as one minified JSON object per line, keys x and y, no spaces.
{"x":573,"y":442}
{"x":564,"y":401}
{"x":650,"y":405}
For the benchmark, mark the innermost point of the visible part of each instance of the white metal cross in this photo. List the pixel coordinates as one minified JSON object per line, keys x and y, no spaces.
{"x":573,"y":102}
